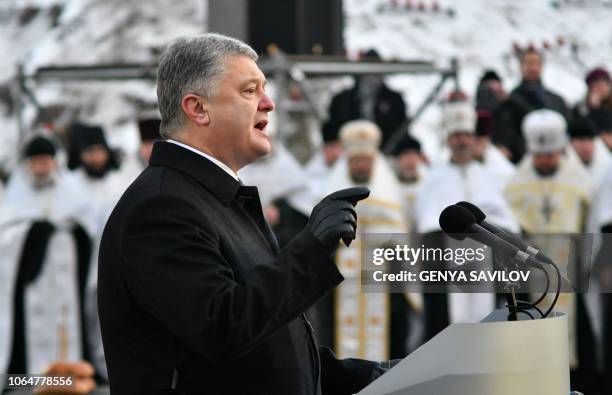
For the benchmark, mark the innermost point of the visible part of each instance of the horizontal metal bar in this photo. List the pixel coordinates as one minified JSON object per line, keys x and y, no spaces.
{"x":344,"y":68}
{"x":309,"y":67}
{"x":98,"y":72}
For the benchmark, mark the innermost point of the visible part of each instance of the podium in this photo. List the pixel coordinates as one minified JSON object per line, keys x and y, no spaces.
{"x":494,"y":356}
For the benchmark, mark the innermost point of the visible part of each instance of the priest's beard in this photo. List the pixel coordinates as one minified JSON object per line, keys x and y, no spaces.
{"x":42,"y":182}
{"x":93,"y":172}
{"x":408,"y":179}
{"x":360,"y":178}
{"x":546,"y":171}
{"x":462,"y":154}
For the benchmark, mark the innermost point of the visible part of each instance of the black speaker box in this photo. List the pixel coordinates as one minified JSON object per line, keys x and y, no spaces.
{"x":296,"y":26}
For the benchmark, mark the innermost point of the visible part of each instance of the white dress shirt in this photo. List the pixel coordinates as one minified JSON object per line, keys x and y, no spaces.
{"x":210,"y":158}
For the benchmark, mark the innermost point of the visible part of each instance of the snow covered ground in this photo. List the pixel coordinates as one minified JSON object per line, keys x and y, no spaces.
{"x":479,"y":33}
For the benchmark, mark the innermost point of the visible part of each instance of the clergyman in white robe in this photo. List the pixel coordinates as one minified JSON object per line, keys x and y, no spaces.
{"x":51,"y":300}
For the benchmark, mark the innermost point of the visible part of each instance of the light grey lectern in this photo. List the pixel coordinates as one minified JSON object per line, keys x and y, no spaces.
{"x":494,"y":356}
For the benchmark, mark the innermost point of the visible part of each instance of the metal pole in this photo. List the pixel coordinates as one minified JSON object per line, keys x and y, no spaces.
{"x":401,"y":130}
{"x":454,"y":72}
{"x":298,"y":76}
{"x":429,"y":99}
{"x":20,"y":104}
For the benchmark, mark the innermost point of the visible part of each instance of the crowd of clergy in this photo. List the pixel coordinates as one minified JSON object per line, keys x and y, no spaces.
{"x":533,"y":163}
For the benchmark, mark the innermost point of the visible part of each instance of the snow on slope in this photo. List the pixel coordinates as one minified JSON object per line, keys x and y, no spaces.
{"x":40,"y":33}
{"x":88,"y":31}
{"x":480,"y":36}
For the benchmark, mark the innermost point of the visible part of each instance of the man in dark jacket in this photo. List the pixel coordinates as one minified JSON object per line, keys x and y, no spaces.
{"x":528,"y":96}
{"x":597,"y":104}
{"x":370,"y":98}
{"x":194,"y":294}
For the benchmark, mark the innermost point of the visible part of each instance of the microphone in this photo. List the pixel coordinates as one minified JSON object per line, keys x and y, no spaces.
{"x":517,"y":242}
{"x":458,"y":222}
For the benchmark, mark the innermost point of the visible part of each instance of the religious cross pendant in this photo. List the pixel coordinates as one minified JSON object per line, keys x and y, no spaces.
{"x":547,"y":209}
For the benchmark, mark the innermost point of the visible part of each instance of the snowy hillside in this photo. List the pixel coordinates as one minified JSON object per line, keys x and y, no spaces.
{"x":43,"y":32}
{"x":480,"y":33}
{"x":55,"y":32}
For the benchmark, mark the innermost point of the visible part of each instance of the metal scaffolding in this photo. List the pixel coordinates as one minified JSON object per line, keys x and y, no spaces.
{"x":281,"y":68}
{"x":300,"y":69}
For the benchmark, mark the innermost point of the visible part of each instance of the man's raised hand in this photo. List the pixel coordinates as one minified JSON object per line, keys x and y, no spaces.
{"x":334,"y":218}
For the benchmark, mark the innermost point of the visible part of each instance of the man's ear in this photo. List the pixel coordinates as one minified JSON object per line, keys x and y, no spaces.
{"x":196,"y":108}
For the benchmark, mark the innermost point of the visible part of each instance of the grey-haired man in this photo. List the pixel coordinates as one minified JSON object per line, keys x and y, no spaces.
{"x":194,"y":294}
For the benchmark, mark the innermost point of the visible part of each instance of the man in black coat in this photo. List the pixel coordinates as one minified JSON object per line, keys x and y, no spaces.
{"x":194,"y":295}
{"x":370,"y":98}
{"x":528,"y":96}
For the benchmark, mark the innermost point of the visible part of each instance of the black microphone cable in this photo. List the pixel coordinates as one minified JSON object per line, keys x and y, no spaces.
{"x":554,"y":302}
{"x":522,"y":306}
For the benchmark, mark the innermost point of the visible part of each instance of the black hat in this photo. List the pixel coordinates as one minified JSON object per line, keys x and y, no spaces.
{"x":84,"y":136}
{"x":490,"y":75}
{"x":371,"y":55}
{"x":405,"y":144}
{"x":39,"y":145}
{"x":582,"y":127}
{"x":330,"y":133}
{"x":149,"y":129}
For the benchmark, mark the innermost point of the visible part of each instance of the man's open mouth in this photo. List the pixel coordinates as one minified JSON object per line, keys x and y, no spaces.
{"x":261,"y":125}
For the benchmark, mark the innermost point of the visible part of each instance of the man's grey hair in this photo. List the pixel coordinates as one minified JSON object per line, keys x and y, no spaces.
{"x":192,"y":65}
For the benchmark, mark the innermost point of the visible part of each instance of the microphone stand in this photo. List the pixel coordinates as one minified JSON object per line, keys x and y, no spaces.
{"x":517,"y":306}
{"x":511,"y":302}
{"x":510,"y":287}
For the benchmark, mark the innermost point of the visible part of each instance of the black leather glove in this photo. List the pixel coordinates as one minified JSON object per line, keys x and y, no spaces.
{"x":334,"y":218}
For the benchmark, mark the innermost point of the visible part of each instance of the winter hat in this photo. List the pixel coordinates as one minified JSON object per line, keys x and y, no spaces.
{"x":544,"y":131}
{"x":360,"y":137}
{"x":597,"y":74}
{"x":459,"y":116}
{"x":149,"y":129}
{"x":371,"y":55}
{"x":407,"y":143}
{"x":39,"y":145}
{"x":582,"y":127}
{"x":329,"y":133}
{"x":84,"y":136}
{"x":490,"y":75}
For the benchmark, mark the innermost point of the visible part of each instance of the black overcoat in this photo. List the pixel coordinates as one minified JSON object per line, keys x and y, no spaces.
{"x":195,"y":297}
